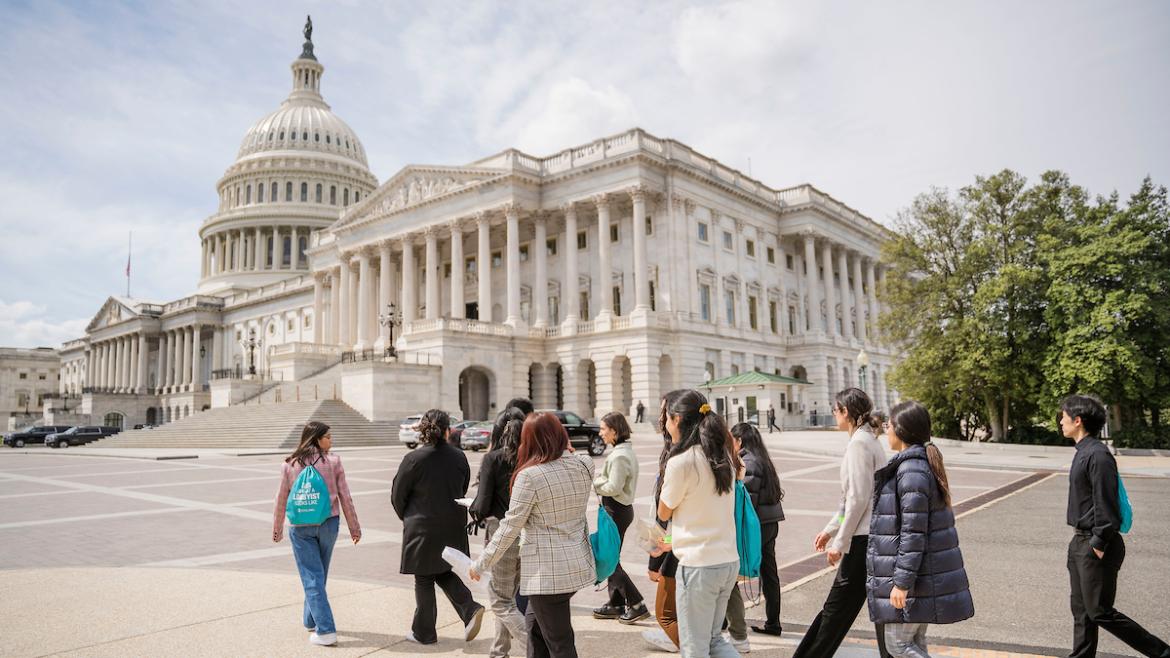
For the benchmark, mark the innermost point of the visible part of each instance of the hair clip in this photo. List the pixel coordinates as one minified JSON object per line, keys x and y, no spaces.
{"x":704,"y":409}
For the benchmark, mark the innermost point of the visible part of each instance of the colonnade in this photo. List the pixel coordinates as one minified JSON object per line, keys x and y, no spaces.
{"x":856,"y":297}
{"x":249,"y":249}
{"x":118,"y":365}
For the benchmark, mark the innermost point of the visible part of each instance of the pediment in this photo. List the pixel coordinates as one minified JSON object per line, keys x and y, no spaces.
{"x":114,"y":311}
{"x":414,"y":185}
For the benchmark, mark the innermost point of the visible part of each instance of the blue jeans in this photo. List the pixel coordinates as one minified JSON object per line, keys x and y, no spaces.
{"x":313,"y":547}
{"x":701,"y":595}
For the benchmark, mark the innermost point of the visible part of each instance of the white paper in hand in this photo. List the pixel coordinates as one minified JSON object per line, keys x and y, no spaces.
{"x":461,"y":564}
{"x":466,"y":502}
{"x":647,"y":534}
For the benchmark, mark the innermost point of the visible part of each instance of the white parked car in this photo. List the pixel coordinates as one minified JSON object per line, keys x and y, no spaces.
{"x":408,"y":429}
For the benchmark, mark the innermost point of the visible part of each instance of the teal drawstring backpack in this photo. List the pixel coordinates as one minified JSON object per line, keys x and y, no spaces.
{"x":308,"y":500}
{"x":1126,"y":507}
{"x":748,"y":541}
{"x":606,"y":544}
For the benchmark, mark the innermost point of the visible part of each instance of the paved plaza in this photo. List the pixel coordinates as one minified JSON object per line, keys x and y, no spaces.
{"x":130,"y":556}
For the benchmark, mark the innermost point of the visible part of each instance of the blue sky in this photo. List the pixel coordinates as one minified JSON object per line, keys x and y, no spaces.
{"x":120,"y":117}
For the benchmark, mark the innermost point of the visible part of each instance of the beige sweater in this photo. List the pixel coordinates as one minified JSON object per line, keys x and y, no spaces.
{"x":864,"y":455}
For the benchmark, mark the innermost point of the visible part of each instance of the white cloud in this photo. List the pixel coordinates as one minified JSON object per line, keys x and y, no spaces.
{"x":573,"y":112}
{"x":23,"y":324}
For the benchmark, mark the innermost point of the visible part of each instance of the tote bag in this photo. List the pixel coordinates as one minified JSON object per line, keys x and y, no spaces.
{"x":606,"y":544}
{"x":308,"y":500}
{"x":1126,"y":507}
{"x":748,"y":541}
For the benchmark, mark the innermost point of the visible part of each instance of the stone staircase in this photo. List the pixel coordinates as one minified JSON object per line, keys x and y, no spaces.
{"x":260,"y":427}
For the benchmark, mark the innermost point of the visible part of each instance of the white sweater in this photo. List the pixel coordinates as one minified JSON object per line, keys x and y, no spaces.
{"x":863,"y":457}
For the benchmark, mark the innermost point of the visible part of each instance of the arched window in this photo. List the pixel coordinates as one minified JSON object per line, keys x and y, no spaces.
{"x":288,"y":191}
{"x":260,"y":193}
{"x":305,"y":135}
{"x":293,"y":135}
{"x":248,"y":194}
{"x":317,"y":196}
{"x":345,"y":197}
{"x":327,"y":139}
{"x":316,"y":137}
{"x":270,"y":135}
{"x":304,"y":191}
{"x":275,"y":190}
{"x":333,"y":195}
{"x":357,"y":196}
{"x":237,"y":195}
{"x":282,"y":135}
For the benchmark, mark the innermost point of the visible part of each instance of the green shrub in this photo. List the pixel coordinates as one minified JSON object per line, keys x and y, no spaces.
{"x":1141,"y":437}
{"x":1036,"y":435}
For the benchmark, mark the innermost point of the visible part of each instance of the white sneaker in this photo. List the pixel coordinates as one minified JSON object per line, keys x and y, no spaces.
{"x":326,"y":640}
{"x":472,"y":627}
{"x":658,"y":639}
{"x":742,"y":646}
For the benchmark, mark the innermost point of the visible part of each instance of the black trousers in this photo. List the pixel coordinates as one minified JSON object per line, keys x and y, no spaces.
{"x":425,"y":611}
{"x":550,"y":626}
{"x":1094,"y":587}
{"x":622,"y":590}
{"x":845,"y":600}
{"x":770,"y":575}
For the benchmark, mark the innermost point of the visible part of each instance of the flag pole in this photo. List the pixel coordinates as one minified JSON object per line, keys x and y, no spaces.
{"x":129,"y":252}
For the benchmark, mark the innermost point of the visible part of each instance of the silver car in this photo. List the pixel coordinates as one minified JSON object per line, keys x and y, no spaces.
{"x":408,"y":430}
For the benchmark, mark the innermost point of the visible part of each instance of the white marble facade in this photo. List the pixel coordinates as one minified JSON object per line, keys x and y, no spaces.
{"x":602,"y":275}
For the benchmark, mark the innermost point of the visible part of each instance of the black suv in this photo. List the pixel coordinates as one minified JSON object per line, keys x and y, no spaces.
{"x":35,"y":434}
{"x":581,"y":433}
{"x":78,"y":436}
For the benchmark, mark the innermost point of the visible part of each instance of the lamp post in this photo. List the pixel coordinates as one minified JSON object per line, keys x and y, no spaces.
{"x":862,"y":366}
{"x":250,"y":344}
{"x":391,"y":318}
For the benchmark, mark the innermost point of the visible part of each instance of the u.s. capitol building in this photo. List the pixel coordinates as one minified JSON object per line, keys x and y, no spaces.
{"x":588,"y":279}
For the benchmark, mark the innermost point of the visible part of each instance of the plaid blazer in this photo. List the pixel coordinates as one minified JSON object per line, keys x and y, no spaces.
{"x":547,"y":514}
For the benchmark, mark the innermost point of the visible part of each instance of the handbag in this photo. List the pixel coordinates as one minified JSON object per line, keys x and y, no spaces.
{"x":1126,"y":508}
{"x":748,"y":540}
{"x":606,"y":544}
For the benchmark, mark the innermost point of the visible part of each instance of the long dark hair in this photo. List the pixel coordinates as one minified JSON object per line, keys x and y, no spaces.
{"x":858,"y":408}
{"x":542,"y":439}
{"x":752,"y":443}
{"x":432,"y":429}
{"x":310,"y":443}
{"x":698,"y":426}
{"x":507,"y":433}
{"x":911,"y":423}
{"x":667,"y":440}
{"x":615,"y":421}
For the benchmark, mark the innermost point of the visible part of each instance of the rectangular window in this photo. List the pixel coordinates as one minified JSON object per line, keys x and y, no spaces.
{"x":728,"y":242}
{"x":649,"y":225}
{"x":41,"y":377}
{"x":24,"y":375}
{"x":705,"y":302}
{"x":332,"y":195}
{"x":752,"y":313}
{"x":617,"y":300}
{"x":703,"y":232}
{"x":446,"y":270}
{"x":788,"y":261}
{"x":613,"y":233}
{"x":582,"y":240}
{"x":288,"y":191}
{"x":584,"y":305}
{"x":554,"y":310}
{"x":653,"y":296}
{"x":773,"y":321}
{"x":771,"y":256}
{"x":523,"y":253}
{"x":730,"y":308}
{"x":497,"y":258}
{"x":791,"y":320}
{"x":469,"y":265}
{"x":551,"y":246}
{"x":751,"y":248}
{"x":304,"y":191}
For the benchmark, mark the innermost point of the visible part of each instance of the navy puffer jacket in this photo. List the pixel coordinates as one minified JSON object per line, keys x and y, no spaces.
{"x":913,"y":544}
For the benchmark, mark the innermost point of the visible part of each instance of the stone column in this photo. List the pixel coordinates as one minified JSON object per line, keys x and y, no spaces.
{"x":108,"y":365}
{"x":540,"y":287}
{"x":217,"y":339}
{"x":870,"y":283}
{"x":858,"y":299}
{"x":846,"y":310}
{"x":217,"y":266}
{"x":203,"y":258}
{"x":196,"y":369}
{"x":569,"y":293}
{"x":483,"y":262}
{"x":318,"y":306}
{"x":512,"y":258}
{"x":409,"y":287}
{"x":96,"y":369}
{"x":296,"y":251}
{"x":605,"y":271}
{"x":363,"y":310}
{"x":332,"y":332}
{"x":241,"y":251}
{"x":354,"y":285}
{"x":813,"y":313}
{"x":257,"y":250}
{"x":458,"y":309}
{"x":431,"y":277}
{"x":385,"y":272}
{"x":119,"y":368}
{"x":132,"y":364}
{"x":343,"y":333}
{"x":829,"y":287}
{"x":180,"y":349}
{"x":276,"y":250}
{"x":641,"y":275}
{"x":140,"y":359}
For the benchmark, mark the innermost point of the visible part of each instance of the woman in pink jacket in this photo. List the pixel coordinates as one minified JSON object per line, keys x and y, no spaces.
{"x":313,"y":544}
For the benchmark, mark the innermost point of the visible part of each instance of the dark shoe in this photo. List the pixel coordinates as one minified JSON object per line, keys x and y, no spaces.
{"x":608,"y":611}
{"x":767,"y":630}
{"x":634,"y":614}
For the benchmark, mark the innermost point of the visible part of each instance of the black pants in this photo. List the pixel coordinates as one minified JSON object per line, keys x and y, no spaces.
{"x":425,"y":611}
{"x":845,"y":600}
{"x":621,"y":589}
{"x":1094,"y":587}
{"x":770,"y":575}
{"x":550,"y":626}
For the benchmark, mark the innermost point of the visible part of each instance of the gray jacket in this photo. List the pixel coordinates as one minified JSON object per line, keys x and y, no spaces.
{"x":913,"y":544}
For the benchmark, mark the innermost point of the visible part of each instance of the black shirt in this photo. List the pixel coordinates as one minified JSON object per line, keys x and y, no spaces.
{"x":1093,"y":502}
{"x":494,"y":493}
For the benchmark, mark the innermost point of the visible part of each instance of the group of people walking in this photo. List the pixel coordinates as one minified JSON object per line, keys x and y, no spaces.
{"x":893,"y":538}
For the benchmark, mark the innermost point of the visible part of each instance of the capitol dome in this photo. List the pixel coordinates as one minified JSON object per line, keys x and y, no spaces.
{"x":297,"y":170}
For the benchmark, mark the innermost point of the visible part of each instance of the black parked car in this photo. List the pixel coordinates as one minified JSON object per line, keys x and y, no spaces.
{"x":78,"y":436}
{"x":31,"y":435}
{"x":581,"y":434}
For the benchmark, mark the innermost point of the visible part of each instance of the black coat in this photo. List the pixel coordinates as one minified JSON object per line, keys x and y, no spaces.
{"x":494,"y":493}
{"x":755,"y":480}
{"x":913,"y":544}
{"x":424,"y":492}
